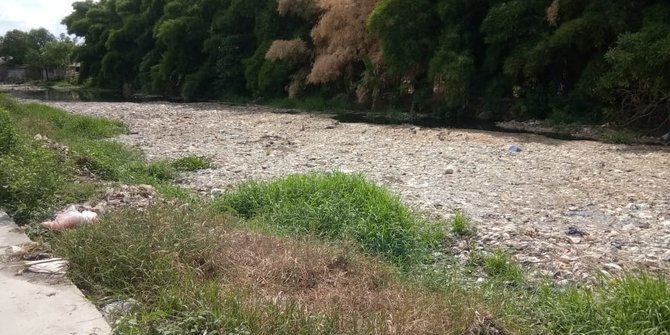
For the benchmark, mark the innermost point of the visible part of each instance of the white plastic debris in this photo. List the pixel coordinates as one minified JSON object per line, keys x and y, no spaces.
{"x":70,"y":218}
{"x":51,"y":266}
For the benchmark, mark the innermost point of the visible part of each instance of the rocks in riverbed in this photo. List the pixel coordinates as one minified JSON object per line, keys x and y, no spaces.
{"x":123,"y":196}
{"x":523,"y":202}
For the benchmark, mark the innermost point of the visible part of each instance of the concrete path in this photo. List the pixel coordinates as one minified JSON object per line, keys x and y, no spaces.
{"x":40,"y":304}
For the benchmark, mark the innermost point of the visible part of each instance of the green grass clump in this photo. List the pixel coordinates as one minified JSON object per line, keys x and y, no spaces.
{"x":461,"y":225}
{"x":633,"y":304}
{"x":500,"y":265}
{"x":192,"y":163}
{"x":336,"y":206}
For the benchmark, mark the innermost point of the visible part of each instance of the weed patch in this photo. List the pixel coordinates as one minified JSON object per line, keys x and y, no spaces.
{"x":39,"y":175}
{"x":633,"y":304}
{"x":500,"y":265}
{"x":336,"y":206}
{"x":461,"y":225}
{"x":192,"y":163}
{"x":192,"y":270}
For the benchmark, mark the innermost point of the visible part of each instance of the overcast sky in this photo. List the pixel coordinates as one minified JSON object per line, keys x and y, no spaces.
{"x":28,"y":14}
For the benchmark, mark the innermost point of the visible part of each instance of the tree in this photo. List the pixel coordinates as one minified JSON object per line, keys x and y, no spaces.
{"x":15,"y":46}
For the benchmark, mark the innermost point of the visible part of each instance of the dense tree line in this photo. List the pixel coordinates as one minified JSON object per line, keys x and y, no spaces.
{"x":38,"y":49}
{"x":586,"y":60}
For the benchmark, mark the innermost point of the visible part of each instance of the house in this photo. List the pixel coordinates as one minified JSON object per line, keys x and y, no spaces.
{"x":12,"y":73}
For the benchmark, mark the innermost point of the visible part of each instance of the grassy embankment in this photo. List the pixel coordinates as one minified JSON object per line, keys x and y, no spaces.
{"x":308,"y":254}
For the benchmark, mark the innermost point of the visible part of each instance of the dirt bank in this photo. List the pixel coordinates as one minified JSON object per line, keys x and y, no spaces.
{"x":570,"y":209}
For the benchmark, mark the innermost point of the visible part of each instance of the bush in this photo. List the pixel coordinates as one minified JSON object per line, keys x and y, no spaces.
{"x":335,"y":206}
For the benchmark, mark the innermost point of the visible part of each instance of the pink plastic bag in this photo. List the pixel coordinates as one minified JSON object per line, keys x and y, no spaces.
{"x":71,"y":218}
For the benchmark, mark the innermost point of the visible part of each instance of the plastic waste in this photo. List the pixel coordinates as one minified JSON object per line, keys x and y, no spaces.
{"x":514,"y":149}
{"x":51,"y":266}
{"x":70,"y":218}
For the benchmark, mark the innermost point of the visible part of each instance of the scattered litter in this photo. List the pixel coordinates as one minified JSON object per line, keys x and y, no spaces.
{"x":52,"y":266}
{"x":514,"y":149}
{"x":70,"y":218}
{"x":28,"y":251}
{"x":578,"y":213}
{"x":613,"y":267}
{"x":575,"y":231}
{"x":116,"y":310}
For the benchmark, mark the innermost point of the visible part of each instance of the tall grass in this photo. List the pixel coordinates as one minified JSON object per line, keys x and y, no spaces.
{"x":32,"y":178}
{"x":192,"y":273}
{"x":336,"y":206}
{"x":633,"y":304}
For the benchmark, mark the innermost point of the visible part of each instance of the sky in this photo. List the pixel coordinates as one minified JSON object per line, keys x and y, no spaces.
{"x":28,"y":14}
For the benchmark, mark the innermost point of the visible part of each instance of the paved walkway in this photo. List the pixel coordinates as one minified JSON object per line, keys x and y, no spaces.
{"x":40,"y":304}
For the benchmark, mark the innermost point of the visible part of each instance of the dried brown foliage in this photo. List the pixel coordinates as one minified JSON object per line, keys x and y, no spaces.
{"x":553,"y":13}
{"x":341,"y":38}
{"x":334,"y":279}
{"x":295,"y":50}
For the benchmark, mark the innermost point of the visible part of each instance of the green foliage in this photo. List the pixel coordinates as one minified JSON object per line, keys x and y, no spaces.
{"x":8,"y":134}
{"x":461,"y":225}
{"x":192,"y":163}
{"x":335,"y":206}
{"x":634,"y":304}
{"x":32,"y":179}
{"x":593,"y":61}
{"x":37,"y":176}
{"x":638,"y":79}
{"x":38,"y":48}
{"x":618,"y":136}
{"x":138,"y":255}
{"x":500,"y":265}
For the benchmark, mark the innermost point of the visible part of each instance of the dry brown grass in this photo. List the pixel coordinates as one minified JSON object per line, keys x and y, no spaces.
{"x":326,"y":278}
